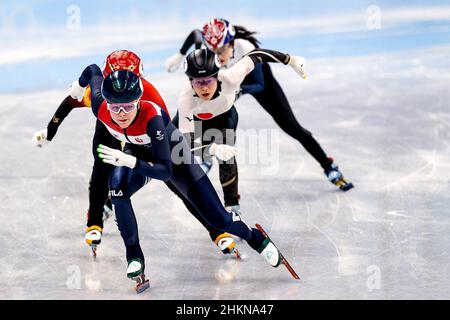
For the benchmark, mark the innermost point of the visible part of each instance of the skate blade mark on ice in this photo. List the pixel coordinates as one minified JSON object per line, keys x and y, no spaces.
{"x":283,"y":259}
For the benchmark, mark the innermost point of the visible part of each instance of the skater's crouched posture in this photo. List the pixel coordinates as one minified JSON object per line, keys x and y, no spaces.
{"x":99,"y":203}
{"x":155,"y":149}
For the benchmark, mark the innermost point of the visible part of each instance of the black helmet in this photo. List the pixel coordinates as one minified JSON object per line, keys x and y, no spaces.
{"x":122,"y":86}
{"x":201,"y":63}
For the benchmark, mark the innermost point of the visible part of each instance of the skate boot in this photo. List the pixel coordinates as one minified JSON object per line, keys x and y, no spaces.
{"x":93,"y":238}
{"x":337,"y":178}
{"x":135,"y":271}
{"x":226,"y":244}
{"x":272,"y":255}
{"x":107,"y":209}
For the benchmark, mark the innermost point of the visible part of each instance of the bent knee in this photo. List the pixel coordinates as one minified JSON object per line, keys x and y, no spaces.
{"x":118,"y":184}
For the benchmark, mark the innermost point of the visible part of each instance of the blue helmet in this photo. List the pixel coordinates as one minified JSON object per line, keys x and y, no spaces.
{"x":122,"y":86}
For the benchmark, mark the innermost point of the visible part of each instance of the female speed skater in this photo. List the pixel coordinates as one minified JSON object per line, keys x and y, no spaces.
{"x":99,"y":202}
{"x":154,"y":148}
{"x":98,"y":186}
{"x":231,"y":43}
{"x":207,"y":102}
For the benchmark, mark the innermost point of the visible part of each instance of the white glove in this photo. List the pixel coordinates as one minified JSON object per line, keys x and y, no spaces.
{"x":298,"y":64}
{"x":173,"y":62}
{"x":40,"y":138}
{"x":76,"y":91}
{"x":116,"y":157}
{"x":222,"y":151}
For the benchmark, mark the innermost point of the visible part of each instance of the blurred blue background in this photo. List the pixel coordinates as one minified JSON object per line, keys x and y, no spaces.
{"x":45,"y":44}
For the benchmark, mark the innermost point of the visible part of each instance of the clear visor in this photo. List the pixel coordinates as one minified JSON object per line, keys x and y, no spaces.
{"x":125,"y":107}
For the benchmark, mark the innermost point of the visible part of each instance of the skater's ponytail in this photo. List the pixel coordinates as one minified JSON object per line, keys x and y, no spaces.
{"x":243,"y":33}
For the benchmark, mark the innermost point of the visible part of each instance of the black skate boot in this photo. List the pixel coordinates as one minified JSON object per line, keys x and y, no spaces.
{"x":337,"y":178}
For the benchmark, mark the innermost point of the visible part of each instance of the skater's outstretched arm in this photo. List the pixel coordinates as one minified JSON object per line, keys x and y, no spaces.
{"x":194,"y":38}
{"x":173,"y":62}
{"x":237,"y":73}
{"x":92,"y":76}
{"x":43,"y":137}
{"x":265,"y":55}
{"x":66,"y":106}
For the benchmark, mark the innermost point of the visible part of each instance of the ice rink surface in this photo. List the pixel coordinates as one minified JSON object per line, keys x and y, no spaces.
{"x":384,"y":118}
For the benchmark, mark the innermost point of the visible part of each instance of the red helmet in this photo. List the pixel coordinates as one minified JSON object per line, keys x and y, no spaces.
{"x":217,"y":33}
{"x":123,"y":60}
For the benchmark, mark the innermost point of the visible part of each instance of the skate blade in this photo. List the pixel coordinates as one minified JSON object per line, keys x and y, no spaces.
{"x":237,"y":254}
{"x":289,"y":268}
{"x":141,"y":287}
{"x":94,"y":251}
{"x":141,"y":284}
{"x":344,"y":185}
{"x":283,"y":259}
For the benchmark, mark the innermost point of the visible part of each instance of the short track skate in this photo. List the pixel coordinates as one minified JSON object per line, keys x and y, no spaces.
{"x":283,"y":259}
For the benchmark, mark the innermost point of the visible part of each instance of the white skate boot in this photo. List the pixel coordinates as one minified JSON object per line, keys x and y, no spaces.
{"x":272,"y":255}
{"x":135,"y":271}
{"x":93,"y":238}
{"x":226,"y":244}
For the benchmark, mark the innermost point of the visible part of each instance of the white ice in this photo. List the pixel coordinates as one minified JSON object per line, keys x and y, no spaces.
{"x":384,"y":118}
